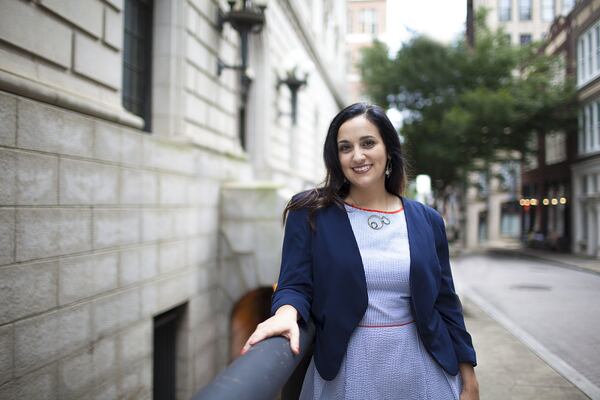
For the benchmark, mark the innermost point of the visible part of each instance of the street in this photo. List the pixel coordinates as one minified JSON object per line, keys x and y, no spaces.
{"x":551,"y":309}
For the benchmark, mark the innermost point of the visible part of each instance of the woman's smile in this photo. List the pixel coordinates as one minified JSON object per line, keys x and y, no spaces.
{"x":362,"y":168}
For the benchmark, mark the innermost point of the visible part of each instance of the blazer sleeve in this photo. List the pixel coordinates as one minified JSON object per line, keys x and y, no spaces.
{"x":295,"y":286}
{"x":448,"y":304}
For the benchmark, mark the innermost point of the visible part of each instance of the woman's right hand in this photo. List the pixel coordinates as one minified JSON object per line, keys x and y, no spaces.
{"x":283,"y":323}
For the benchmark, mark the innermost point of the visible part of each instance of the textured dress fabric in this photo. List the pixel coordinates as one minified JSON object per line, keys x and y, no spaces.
{"x":385,"y":358}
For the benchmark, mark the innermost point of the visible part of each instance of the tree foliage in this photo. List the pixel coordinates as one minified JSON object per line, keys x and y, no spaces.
{"x":462,"y":103}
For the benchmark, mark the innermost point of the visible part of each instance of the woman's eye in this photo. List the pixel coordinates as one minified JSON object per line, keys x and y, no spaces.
{"x":344,"y":148}
{"x":368,"y":143}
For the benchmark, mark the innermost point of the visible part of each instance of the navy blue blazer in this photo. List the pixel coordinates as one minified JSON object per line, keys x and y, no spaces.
{"x":322,"y":276}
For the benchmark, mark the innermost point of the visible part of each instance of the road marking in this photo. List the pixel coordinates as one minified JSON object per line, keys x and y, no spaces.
{"x":557,"y":363}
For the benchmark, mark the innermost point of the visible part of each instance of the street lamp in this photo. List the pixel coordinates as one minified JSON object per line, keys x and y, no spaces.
{"x":250,"y":18}
{"x":294,"y":84}
{"x":247,"y":19}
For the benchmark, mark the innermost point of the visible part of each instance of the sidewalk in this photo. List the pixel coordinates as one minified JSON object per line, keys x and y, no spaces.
{"x":507,"y":369}
{"x":587,"y":264}
{"x":515,"y":248}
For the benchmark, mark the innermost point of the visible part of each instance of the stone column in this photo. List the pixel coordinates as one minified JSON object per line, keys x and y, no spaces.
{"x":591,"y":230}
{"x":596,"y":229}
{"x":259,"y":111}
{"x":471,"y":218}
{"x":576,"y":226}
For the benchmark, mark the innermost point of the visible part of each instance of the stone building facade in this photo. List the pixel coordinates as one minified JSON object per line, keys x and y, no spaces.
{"x":116,"y":226}
{"x":585,"y":205}
{"x":367,"y":21}
{"x":524,"y":20}
{"x":493,"y":212}
{"x":546,"y":178}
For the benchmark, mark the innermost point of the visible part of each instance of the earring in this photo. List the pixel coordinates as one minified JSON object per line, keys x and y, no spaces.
{"x":388,"y":168}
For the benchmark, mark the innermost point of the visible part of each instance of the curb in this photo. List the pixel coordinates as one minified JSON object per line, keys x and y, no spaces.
{"x":546,"y":355}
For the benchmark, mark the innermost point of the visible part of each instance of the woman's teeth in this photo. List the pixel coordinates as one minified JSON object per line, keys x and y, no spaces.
{"x":361,"y":169}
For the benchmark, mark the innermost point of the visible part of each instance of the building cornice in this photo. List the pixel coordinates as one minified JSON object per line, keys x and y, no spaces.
{"x":311,"y":48}
{"x":25,"y":87}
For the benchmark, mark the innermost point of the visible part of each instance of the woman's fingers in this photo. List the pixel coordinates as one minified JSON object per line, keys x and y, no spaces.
{"x":262,"y":332}
{"x":268,"y":329}
{"x":295,"y":339}
{"x":256,"y":337}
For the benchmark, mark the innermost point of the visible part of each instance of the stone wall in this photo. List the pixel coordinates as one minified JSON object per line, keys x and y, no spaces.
{"x":104,"y":226}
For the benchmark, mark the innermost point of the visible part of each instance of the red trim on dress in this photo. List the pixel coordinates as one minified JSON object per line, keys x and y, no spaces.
{"x":377,"y":211}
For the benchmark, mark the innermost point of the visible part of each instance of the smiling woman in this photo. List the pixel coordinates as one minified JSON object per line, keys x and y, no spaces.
{"x":371,"y":268}
{"x":362,"y":153}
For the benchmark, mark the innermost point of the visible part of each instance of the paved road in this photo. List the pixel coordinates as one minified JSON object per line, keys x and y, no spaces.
{"x":554,"y":310}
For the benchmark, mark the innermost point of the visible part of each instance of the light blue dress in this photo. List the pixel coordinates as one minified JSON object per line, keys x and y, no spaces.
{"x":385,"y":358}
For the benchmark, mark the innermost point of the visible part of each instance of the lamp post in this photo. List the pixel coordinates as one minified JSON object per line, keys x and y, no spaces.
{"x":294,"y":84}
{"x":247,"y":19}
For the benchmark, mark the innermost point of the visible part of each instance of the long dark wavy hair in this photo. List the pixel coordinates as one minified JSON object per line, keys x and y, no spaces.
{"x":335,"y":187}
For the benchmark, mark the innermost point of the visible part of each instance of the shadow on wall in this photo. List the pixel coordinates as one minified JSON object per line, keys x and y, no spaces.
{"x":253,"y":308}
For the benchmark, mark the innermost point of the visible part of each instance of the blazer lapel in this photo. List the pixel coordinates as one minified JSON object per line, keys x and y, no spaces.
{"x":346,"y":240}
{"x":416,"y":226}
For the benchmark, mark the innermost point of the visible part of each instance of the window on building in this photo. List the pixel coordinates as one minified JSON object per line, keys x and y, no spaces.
{"x":590,"y":54}
{"x":594,"y":142}
{"x":555,"y":147}
{"x":167,"y":329}
{"x":531,"y":156}
{"x":525,"y":38}
{"x":588,"y":137}
{"x":547,"y":10}
{"x":567,"y":6}
{"x":368,"y":21}
{"x":350,"y":25}
{"x":525,"y":7}
{"x":504,"y":10}
{"x":597,"y":37}
{"x":580,"y":60}
{"x":592,"y":184}
{"x":588,"y":128}
{"x":558,"y":69}
{"x":137,"y":59}
{"x":596,"y":132}
{"x":580,"y":132}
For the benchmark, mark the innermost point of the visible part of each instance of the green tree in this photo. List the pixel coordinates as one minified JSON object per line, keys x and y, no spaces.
{"x":464,"y":104}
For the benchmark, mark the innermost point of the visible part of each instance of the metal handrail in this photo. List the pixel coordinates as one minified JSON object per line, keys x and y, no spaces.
{"x":263,"y":371}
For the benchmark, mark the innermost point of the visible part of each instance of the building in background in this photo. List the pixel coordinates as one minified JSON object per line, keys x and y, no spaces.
{"x":523,"y":21}
{"x":367,"y":21}
{"x":546,"y":178}
{"x":585,"y":38}
{"x":494,"y":203}
{"x":141,"y":191}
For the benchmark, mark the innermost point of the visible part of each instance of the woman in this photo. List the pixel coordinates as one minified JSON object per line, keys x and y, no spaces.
{"x":372,"y":269}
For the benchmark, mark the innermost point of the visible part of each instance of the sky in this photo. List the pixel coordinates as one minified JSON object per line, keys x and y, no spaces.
{"x":441,"y":19}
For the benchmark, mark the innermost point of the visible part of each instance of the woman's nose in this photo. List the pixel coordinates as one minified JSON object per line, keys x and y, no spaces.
{"x":358,"y":155}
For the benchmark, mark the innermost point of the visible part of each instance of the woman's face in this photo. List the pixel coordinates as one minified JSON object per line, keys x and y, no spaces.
{"x":362,"y":153}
